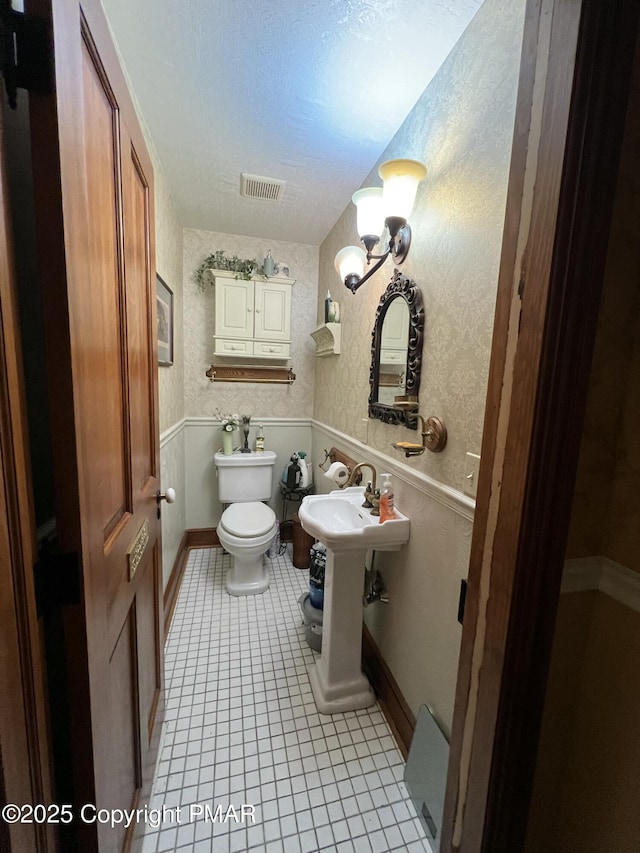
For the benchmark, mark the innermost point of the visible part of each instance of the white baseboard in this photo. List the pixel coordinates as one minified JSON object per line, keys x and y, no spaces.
{"x":606,"y":576}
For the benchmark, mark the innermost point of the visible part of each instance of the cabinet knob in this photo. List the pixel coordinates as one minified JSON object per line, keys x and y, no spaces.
{"x":257,"y":310}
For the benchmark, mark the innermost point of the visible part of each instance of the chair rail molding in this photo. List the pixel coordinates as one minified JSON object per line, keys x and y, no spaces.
{"x":608,"y":577}
{"x":205,"y":420}
{"x":171,"y":432}
{"x":452,"y":498}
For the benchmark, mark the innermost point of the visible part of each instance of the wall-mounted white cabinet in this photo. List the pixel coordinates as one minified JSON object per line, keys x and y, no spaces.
{"x":253,"y":318}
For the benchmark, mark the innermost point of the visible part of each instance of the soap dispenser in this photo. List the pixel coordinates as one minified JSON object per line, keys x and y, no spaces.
{"x":387,"y":503}
{"x":268,"y":264}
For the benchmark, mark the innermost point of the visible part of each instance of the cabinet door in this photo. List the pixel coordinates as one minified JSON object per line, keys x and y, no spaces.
{"x":234,"y":308}
{"x":273,"y":311}
{"x":395,"y":329}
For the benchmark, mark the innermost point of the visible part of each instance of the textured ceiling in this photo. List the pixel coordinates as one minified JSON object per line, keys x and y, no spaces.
{"x":307,"y":92}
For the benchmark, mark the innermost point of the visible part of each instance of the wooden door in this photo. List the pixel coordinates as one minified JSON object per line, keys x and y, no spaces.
{"x":94,"y":198}
{"x":24,"y":749}
{"x":574,"y":80}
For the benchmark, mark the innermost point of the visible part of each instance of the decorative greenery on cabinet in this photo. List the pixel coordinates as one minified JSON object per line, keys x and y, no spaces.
{"x":243,"y":268}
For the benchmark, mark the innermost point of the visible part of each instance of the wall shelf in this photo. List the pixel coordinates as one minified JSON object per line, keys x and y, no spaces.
{"x":241,"y":373}
{"x":327,"y":338}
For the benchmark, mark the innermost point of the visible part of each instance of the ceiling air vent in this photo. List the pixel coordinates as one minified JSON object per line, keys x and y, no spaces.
{"x":253,"y":186}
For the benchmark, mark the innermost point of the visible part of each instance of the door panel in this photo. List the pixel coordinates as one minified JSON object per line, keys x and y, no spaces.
{"x":97,"y":312}
{"x":147,"y":627}
{"x":105,"y":370}
{"x":125,"y":767}
{"x":139,"y":340}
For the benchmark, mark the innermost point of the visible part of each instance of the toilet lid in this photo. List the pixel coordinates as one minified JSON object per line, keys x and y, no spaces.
{"x":248,"y":519}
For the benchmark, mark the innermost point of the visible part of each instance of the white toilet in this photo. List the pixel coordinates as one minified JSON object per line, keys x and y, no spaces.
{"x":247,"y":527}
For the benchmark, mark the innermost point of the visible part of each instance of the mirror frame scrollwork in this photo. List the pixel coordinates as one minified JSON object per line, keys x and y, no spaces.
{"x":400,"y":285}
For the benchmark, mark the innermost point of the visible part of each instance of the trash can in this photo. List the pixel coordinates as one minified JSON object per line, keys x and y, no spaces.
{"x":302,"y":543}
{"x":318,"y":561}
{"x":312,"y":619}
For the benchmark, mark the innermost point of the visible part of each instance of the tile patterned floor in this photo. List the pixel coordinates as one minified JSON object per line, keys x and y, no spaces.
{"x":241,"y":727}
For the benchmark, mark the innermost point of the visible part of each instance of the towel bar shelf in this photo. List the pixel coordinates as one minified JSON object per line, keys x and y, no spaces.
{"x":271,"y":375}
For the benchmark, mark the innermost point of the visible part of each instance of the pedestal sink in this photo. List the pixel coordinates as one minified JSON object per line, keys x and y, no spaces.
{"x":348,"y":531}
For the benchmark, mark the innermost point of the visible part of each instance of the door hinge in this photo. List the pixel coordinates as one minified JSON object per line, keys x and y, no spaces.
{"x":25,"y":53}
{"x":57,"y":581}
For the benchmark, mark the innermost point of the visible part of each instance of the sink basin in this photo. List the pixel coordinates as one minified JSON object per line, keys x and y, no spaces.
{"x":340,"y":522}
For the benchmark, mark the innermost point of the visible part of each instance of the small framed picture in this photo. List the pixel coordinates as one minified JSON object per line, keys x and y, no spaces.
{"x":164,"y":300}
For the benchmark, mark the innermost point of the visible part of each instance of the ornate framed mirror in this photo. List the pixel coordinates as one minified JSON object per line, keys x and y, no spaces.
{"x":396,"y":351}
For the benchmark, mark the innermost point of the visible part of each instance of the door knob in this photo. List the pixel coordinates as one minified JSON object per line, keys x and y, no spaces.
{"x":169,"y":496}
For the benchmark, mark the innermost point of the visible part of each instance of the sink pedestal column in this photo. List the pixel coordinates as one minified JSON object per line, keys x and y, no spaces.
{"x":337,"y":680}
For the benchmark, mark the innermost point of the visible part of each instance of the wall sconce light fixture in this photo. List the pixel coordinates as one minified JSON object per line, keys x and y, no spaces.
{"x":390,"y":206}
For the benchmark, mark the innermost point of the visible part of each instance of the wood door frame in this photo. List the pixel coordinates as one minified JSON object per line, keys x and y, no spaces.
{"x":569,"y":121}
{"x":25,"y":763}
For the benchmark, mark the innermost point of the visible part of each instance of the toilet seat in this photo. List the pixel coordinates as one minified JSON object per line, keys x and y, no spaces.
{"x":248,"y":520}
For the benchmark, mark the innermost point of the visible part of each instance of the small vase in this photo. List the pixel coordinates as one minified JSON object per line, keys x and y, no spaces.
{"x":246,"y":419}
{"x":227,"y":443}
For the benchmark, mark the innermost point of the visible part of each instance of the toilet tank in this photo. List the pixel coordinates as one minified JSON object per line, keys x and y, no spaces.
{"x":245,"y":476}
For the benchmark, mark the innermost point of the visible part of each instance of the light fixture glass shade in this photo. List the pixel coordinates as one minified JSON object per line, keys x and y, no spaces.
{"x":370,"y":216}
{"x":350,"y":261}
{"x":401,"y":179}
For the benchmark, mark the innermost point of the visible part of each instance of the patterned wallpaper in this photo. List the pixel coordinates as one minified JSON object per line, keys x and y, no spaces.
{"x":203,"y":397}
{"x":461,"y":128}
{"x":169,"y":267}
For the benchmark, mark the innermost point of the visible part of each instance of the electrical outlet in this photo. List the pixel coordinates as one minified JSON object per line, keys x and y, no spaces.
{"x":471,"y":468}
{"x":364,"y":430}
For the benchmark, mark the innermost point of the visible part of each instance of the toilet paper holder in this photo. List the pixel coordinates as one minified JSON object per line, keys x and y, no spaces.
{"x":338,"y":472}
{"x":335,"y":455}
